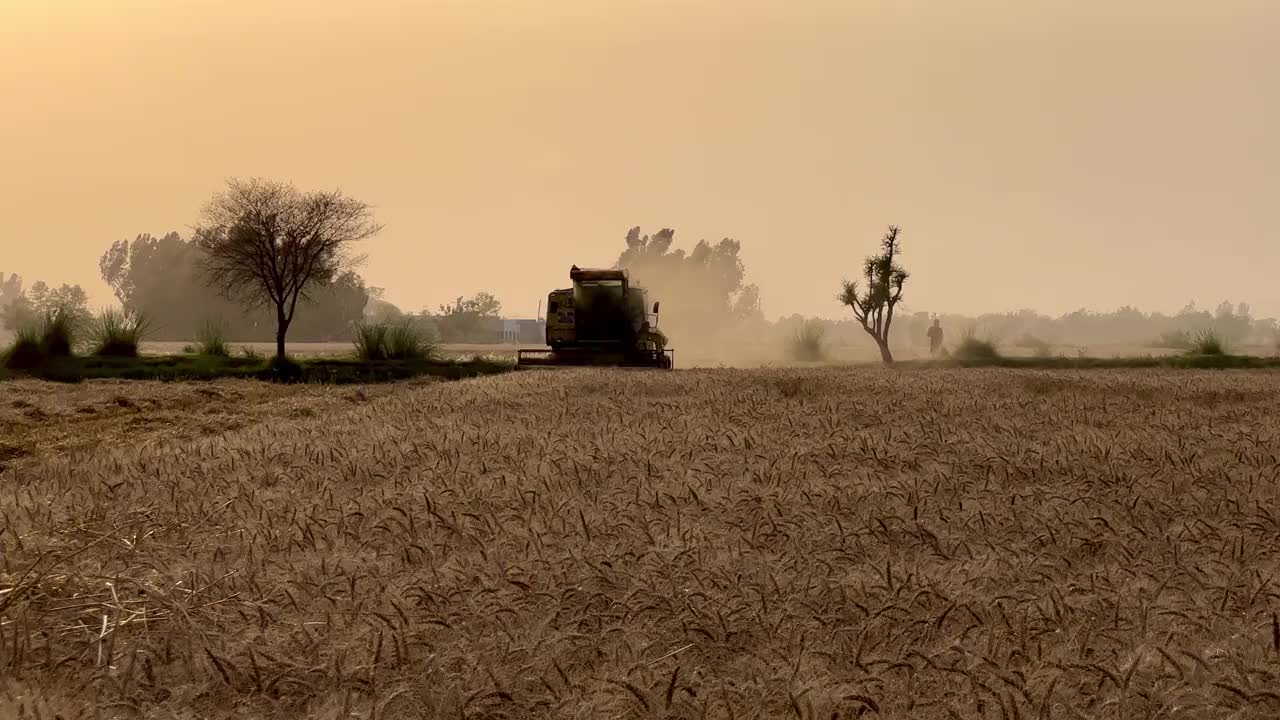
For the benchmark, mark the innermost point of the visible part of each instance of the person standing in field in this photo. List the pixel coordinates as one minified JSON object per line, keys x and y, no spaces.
{"x":935,"y":337}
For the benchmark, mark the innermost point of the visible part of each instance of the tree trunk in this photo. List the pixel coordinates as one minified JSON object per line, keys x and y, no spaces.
{"x":282,"y":327}
{"x":885,"y":355}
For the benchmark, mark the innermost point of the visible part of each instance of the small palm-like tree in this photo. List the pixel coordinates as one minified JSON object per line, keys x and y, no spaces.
{"x":873,"y":303}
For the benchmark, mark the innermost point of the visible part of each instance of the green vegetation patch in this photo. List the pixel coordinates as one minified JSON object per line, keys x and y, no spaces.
{"x":394,"y":340}
{"x":1208,"y":343}
{"x":204,"y":367}
{"x":973,"y":350}
{"x":24,"y":352}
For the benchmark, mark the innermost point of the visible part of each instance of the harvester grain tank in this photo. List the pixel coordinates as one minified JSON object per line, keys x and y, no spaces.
{"x":603,"y":319}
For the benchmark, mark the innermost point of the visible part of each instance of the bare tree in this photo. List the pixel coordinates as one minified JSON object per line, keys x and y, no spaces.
{"x":267,"y":243}
{"x":873,"y":305}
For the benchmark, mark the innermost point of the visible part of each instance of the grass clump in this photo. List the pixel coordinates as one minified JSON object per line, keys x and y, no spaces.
{"x":211,"y":341}
{"x":408,"y":342}
{"x":371,"y":341}
{"x":973,"y":349}
{"x":116,"y":333}
{"x":24,"y":352}
{"x":58,"y":334}
{"x":400,"y":340}
{"x":808,"y":344}
{"x":35,"y":344}
{"x":1208,"y":342}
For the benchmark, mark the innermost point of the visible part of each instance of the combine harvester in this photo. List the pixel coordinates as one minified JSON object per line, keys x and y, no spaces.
{"x":601,"y":321}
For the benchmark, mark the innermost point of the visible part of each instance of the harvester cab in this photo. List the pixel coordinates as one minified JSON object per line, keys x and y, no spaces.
{"x":601,"y":320}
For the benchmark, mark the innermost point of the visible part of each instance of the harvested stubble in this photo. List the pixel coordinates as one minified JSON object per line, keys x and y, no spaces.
{"x":809,"y":543}
{"x":41,"y":418}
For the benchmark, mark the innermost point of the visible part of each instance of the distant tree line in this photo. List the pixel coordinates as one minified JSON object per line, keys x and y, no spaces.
{"x":1234,"y":322}
{"x":466,"y":320}
{"x":162,"y":277}
{"x":1034,"y":332}
{"x":269,"y":259}
{"x":21,"y":306}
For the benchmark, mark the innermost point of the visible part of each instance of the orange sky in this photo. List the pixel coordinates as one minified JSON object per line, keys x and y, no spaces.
{"x":1037,"y":154}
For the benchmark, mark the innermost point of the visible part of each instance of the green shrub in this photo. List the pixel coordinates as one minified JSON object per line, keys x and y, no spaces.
{"x":35,"y":343}
{"x":249,"y":353}
{"x":407,"y":341}
{"x":116,"y":333}
{"x":1208,"y":342}
{"x":284,"y":369}
{"x":211,"y":341}
{"x":24,"y":352}
{"x":398,"y":340}
{"x":58,"y":334}
{"x":808,"y":343}
{"x":371,"y":341}
{"x":975,"y":350}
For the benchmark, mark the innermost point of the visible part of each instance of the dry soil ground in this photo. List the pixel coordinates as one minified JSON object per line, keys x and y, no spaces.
{"x":585,"y":543}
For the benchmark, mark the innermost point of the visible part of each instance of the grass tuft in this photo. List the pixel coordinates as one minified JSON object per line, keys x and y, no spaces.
{"x":371,"y":341}
{"x":973,"y":349}
{"x":211,"y":341}
{"x":407,"y":342}
{"x":1208,"y":342}
{"x":24,"y":352}
{"x":399,"y":340}
{"x":35,"y":344}
{"x":808,"y":344}
{"x":58,"y":334}
{"x":116,"y":333}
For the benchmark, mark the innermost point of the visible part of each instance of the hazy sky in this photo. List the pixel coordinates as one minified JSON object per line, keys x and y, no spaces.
{"x":1047,"y":154}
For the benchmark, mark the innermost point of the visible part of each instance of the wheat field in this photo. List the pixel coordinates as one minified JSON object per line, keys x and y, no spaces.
{"x":813,"y":543}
